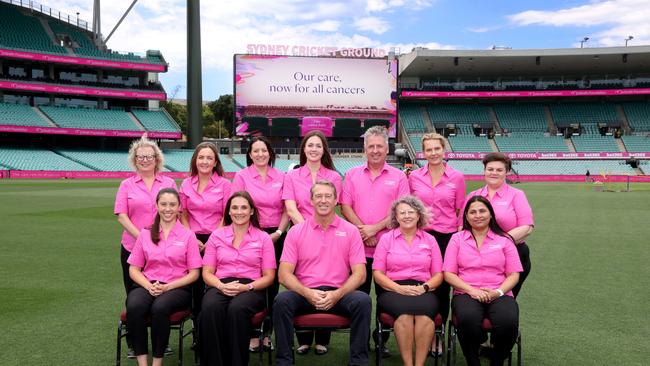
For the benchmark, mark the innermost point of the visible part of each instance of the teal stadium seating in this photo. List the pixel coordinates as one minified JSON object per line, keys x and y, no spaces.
{"x":342,"y":165}
{"x":595,"y":143}
{"x":467,"y":166}
{"x":37,"y":159}
{"x":103,"y":161}
{"x":19,"y":31}
{"x":530,"y":142}
{"x":156,"y":121}
{"x":416,"y":141}
{"x":459,"y":113}
{"x":584,"y":113}
{"x":521,"y":117}
{"x":638,"y":115}
{"x":469,"y":143}
{"x":572,"y":167}
{"x":411,"y":117}
{"x":637,"y":143}
{"x":178,"y":160}
{"x":102,"y":119}
{"x":20,"y":115}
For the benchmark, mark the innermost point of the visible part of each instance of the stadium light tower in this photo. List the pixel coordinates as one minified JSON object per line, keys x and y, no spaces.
{"x":629,"y":38}
{"x":194,"y":93}
{"x":583,"y":41}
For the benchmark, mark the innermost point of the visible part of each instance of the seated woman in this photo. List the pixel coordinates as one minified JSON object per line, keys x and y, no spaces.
{"x":164,"y":262}
{"x":482,"y":265}
{"x":408,"y":266}
{"x":239,"y":262}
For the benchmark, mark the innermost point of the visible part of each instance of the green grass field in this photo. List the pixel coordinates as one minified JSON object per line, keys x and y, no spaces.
{"x":586,"y":301}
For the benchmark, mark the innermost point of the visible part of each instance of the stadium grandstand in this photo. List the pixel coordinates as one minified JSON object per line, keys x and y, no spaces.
{"x":557,"y":112}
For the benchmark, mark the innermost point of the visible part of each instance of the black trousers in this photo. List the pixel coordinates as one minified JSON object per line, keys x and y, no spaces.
{"x":225,"y":325}
{"x":140,"y":305}
{"x":504,"y":315}
{"x":126,"y":278}
{"x":365,"y":287}
{"x":524,"y":257}
{"x":272,"y":291}
{"x":355,"y":305}
{"x":443,"y":291}
{"x":198,"y":287}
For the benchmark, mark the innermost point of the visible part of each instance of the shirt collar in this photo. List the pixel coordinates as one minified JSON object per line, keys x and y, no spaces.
{"x":270,"y":172}
{"x":499,"y":192}
{"x":383,"y":168}
{"x":314,"y":224}
{"x":158,"y":177}
{"x":214,"y":178}
{"x":397,"y":233}
{"x":467,"y":234}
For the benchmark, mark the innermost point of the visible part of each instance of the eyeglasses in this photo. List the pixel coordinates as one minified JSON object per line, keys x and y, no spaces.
{"x":327,"y":196}
{"x":145,"y":157}
{"x":405,"y":213}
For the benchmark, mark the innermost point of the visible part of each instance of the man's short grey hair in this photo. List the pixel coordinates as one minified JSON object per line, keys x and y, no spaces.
{"x":416,"y":204}
{"x":322,"y":182}
{"x":376,"y":131}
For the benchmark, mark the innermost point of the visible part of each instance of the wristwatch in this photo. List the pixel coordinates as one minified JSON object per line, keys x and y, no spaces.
{"x":251,"y":287}
{"x":279,"y":232}
{"x":426,"y":287}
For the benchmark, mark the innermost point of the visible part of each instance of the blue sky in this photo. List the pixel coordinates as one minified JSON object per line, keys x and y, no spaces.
{"x":229,"y":25}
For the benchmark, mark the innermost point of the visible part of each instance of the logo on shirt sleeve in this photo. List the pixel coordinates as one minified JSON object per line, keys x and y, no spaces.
{"x":340,"y":233}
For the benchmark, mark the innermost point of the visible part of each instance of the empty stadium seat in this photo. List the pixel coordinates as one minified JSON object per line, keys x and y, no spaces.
{"x":572,"y":167}
{"x":530,"y":142}
{"x":103,"y":161}
{"x":469,"y":143}
{"x":20,"y":115}
{"x":155,"y":121}
{"x":638,"y":115}
{"x":411,"y":117}
{"x":21,"y":31}
{"x":458,"y":113}
{"x":521,"y":117}
{"x":637,"y":143}
{"x":595,"y":143}
{"x":584,"y":113}
{"x":37,"y":159}
{"x":97,"y":119}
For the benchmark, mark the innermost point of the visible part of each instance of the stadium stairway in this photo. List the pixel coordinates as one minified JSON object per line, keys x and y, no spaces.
{"x":621,"y":145}
{"x":136,"y":121}
{"x":427,"y":121}
{"x":569,"y":145}
{"x":621,"y":115}
{"x":44,"y":117}
{"x":495,"y":122}
{"x":549,"y":121}
{"x":78,"y":161}
{"x":493,"y":144}
{"x":50,"y":33}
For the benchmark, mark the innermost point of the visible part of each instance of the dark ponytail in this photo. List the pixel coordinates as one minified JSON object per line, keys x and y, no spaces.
{"x":155,"y":227}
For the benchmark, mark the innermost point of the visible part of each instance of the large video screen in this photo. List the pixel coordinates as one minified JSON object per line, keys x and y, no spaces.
{"x":290,"y":96}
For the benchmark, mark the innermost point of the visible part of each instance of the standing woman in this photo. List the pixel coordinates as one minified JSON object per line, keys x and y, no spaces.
{"x":135,"y":203}
{"x":203,"y":198}
{"x":483,"y":266}
{"x":442,"y":189}
{"x":264,"y":184}
{"x":315,"y":164}
{"x":513,"y":213}
{"x":239,"y":263}
{"x":408,"y":267}
{"x":164,"y":262}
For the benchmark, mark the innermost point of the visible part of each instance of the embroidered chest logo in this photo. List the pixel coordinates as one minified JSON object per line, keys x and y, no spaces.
{"x":340,"y":233}
{"x":390,"y":182}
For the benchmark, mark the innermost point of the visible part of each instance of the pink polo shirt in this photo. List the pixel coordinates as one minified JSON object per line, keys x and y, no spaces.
{"x":400,"y":261}
{"x":170,"y":259}
{"x":323,"y":257}
{"x":298,"y":183}
{"x":138,"y":203}
{"x":487,"y":267}
{"x":510,"y":206}
{"x":266,"y":194}
{"x":205,"y":209}
{"x":371,"y":198}
{"x":255,"y":253}
{"x":442,"y":200}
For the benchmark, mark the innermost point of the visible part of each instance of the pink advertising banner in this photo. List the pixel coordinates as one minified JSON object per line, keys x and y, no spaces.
{"x":61,"y":59}
{"x":111,"y":93}
{"x":322,"y":124}
{"x":87,"y":132}
{"x":548,"y":155}
{"x":568,"y":178}
{"x":524,"y":94}
{"x":55,"y":174}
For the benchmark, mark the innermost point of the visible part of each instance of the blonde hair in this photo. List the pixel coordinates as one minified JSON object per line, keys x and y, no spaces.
{"x":145,"y":142}
{"x":435,"y":136}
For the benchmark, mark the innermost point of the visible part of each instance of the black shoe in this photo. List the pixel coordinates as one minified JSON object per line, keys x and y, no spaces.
{"x":168,"y":351}
{"x":385,"y":352}
{"x":131,"y":353}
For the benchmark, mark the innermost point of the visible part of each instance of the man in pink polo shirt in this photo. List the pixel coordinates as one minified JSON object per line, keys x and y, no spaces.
{"x":322,"y":265}
{"x":368,"y":192}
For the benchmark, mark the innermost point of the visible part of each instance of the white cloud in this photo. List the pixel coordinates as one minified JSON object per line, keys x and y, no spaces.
{"x":326,"y":26}
{"x":372,"y":24}
{"x":620,"y":18}
{"x":382,"y":5}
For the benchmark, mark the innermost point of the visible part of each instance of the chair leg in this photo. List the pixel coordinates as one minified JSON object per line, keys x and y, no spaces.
{"x":451,"y":345}
{"x":261,"y":345}
{"x":180,"y":342}
{"x":118,"y":357}
{"x":519,"y":349}
{"x":380,"y":344}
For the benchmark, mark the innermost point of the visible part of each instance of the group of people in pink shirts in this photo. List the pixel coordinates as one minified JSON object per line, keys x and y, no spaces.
{"x":222,"y":249}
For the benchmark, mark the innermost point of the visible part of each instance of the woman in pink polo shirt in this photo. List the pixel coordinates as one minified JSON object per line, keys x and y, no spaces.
{"x":315,"y":164}
{"x":239,"y":263}
{"x":264,"y":183}
{"x":203,"y":198}
{"x":442,"y":189}
{"x":513,"y":213}
{"x":135,"y":202}
{"x":483,"y":267}
{"x":164,"y":262}
{"x":408,"y":267}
